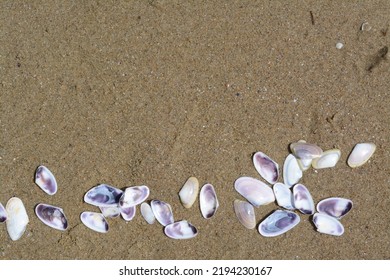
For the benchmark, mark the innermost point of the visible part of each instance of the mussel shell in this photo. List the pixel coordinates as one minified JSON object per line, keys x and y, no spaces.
{"x":3,"y":214}
{"x":103,"y":195}
{"x":110,"y":211}
{"x":305,"y":150}
{"x":360,"y":154}
{"x":327,"y":224}
{"x":336,"y":207}
{"x":245,"y":213}
{"x":51,"y":216}
{"x":292,"y":173}
{"x":45,"y":180}
{"x":189,"y":192}
{"x":94,"y":221}
{"x":147,"y":213}
{"x":17,"y":218}
{"x":279,"y":222}
{"x":133,"y":196}
{"x":284,"y":196}
{"x":255,"y":191}
{"x":162,"y":211}
{"x":267,"y":168}
{"x":303,"y":200}
{"x":128,"y":213}
{"x":328,"y":159}
{"x":180,"y":230}
{"x":208,"y":201}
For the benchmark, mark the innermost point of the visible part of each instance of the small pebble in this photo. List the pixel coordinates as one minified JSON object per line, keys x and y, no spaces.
{"x":339,"y":45}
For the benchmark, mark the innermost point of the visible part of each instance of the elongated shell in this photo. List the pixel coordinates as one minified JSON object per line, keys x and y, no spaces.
{"x":292,"y":173}
{"x":3,"y":214}
{"x":279,"y":222}
{"x":17,"y":218}
{"x":128,"y":213}
{"x":51,"y":216}
{"x":208,"y":201}
{"x":110,"y":211}
{"x":284,"y":196}
{"x":328,"y":159}
{"x":103,"y":195}
{"x":336,"y":207}
{"x":245,"y":213}
{"x":94,"y":221}
{"x":360,"y":154}
{"x":303,"y":200}
{"x":180,"y":230}
{"x":255,"y":191}
{"x":162,"y":211}
{"x":189,"y":192}
{"x":327,"y":224}
{"x":147,"y":213}
{"x":133,"y":196}
{"x":304,"y":150}
{"x":304,"y":164}
{"x":267,"y":168}
{"x":45,"y":180}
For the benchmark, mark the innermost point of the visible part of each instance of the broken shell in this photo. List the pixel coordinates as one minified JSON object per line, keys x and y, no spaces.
{"x":133,"y":196}
{"x":279,"y":222}
{"x":3,"y":214}
{"x":45,"y":180}
{"x":51,"y":216}
{"x":328,"y":159}
{"x":327,"y":224}
{"x":292,"y":173}
{"x":103,"y":195}
{"x":303,"y":200}
{"x":267,"y":168}
{"x":162,"y":211}
{"x":128,"y":213}
{"x":180,"y":230}
{"x":360,"y":154}
{"x":110,"y":211}
{"x":94,"y":221}
{"x":336,"y":207}
{"x":255,"y":191}
{"x":189,"y":192}
{"x":208,"y":201}
{"x":17,"y":218}
{"x":147,"y":213}
{"x":245,"y":213}
{"x":284,"y":196}
{"x":304,"y":150}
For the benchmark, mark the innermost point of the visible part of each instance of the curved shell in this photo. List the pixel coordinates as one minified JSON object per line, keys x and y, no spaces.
{"x":189,"y":192}
{"x":3,"y":214}
{"x":110,"y":211}
{"x":304,"y":164}
{"x":103,"y":195}
{"x":360,"y":154}
{"x":279,"y":222}
{"x":245,"y":213}
{"x":180,"y":230}
{"x":267,"y":168}
{"x":17,"y":218}
{"x":162,"y":211}
{"x":255,"y":191}
{"x":327,"y":224}
{"x":147,"y":213}
{"x":328,"y":159}
{"x":336,"y":207}
{"x":292,"y":173}
{"x":94,"y":221}
{"x":45,"y":180}
{"x":284,"y":196}
{"x":51,"y":216}
{"x":208,"y":201}
{"x":303,"y":200}
{"x":133,"y":196}
{"x":304,"y":150}
{"x":128,"y":213}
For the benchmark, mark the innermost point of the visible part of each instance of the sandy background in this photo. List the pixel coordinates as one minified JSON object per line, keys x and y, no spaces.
{"x":153,"y":92}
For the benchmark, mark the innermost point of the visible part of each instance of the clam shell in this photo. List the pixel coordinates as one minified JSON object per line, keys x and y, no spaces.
{"x":189,"y":192}
{"x":292,"y":173}
{"x":94,"y":221}
{"x":245,"y":213}
{"x":180,"y":230}
{"x":328,"y":159}
{"x":162,"y":211}
{"x":3,"y":214}
{"x":45,"y":180}
{"x":304,"y":164}
{"x":267,"y":168}
{"x":279,"y":222}
{"x":336,"y":207}
{"x":327,"y":224}
{"x":360,"y":154}
{"x":17,"y":218}
{"x":303,"y":200}
{"x":208,"y":201}
{"x":128,"y":213}
{"x":110,"y":211}
{"x":147,"y":213}
{"x":103,"y":195}
{"x":284,"y":196}
{"x":133,"y":196}
{"x":255,"y":191}
{"x":51,"y":216}
{"x":304,"y":150}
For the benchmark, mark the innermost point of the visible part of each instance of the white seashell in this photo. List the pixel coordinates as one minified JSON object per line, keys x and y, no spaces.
{"x":328,"y":159}
{"x":94,"y":221}
{"x":245,"y":213}
{"x":51,"y":216}
{"x":189,"y":192}
{"x":255,"y":191}
{"x":304,"y":164}
{"x":45,"y":180}
{"x":180,"y":230}
{"x":162,"y":211}
{"x":128,"y":213}
{"x":17,"y":218}
{"x":292,"y":173}
{"x":267,"y":168}
{"x":339,"y":45}
{"x":305,"y":150}
{"x":110,"y":211}
{"x":103,"y":195}
{"x":147,"y":213}
{"x":327,"y":224}
{"x":208,"y":201}
{"x":3,"y":214}
{"x":284,"y":196}
{"x":360,"y":154}
{"x":336,"y":207}
{"x":279,"y":222}
{"x":133,"y":196}
{"x":303,"y":200}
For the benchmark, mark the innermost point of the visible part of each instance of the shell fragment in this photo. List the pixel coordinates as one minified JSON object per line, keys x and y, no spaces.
{"x":245,"y":213}
{"x":360,"y":154}
{"x":162,"y":211}
{"x":180,"y":230}
{"x":189,"y":192}
{"x":103,"y":195}
{"x":3,"y":214}
{"x":17,"y":218}
{"x":303,"y":200}
{"x":279,"y":222}
{"x":267,"y":168}
{"x":327,"y":224}
{"x":94,"y":221}
{"x":255,"y":191}
{"x":336,"y":207}
{"x":45,"y":180}
{"x":292,"y":173}
{"x":208,"y":201}
{"x":51,"y":216}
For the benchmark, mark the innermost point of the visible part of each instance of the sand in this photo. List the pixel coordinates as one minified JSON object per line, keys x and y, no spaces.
{"x":153,"y":92}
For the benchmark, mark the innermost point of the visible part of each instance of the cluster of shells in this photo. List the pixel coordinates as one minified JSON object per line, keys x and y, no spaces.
{"x":113,"y":202}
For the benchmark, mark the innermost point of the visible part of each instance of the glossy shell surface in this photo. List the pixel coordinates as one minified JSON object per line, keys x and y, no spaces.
{"x":255,"y":191}
{"x":328,"y":159}
{"x":128,"y":213}
{"x":147,"y":213}
{"x":327,"y":224}
{"x":279,"y":222}
{"x":51,"y":216}
{"x":94,"y":221}
{"x":305,"y":150}
{"x":180,"y":230}
{"x":336,"y":207}
{"x":267,"y":168}
{"x":245,"y":213}
{"x":103,"y":195}
{"x":189,"y":192}
{"x":360,"y":154}
{"x":292,"y":173}
{"x":133,"y":196}
{"x":45,"y":180}
{"x":284,"y":196}
{"x":303,"y":200}
{"x":162,"y":211}
{"x":17,"y":218}
{"x":208,"y":201}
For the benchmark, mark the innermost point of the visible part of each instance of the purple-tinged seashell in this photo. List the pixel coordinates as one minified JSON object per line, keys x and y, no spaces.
{"x":162,"y":211}
{"x":103,"y":195}
{"x":128,"y":213}
{"x":51,"y":216}
{"x":292,"y":173}
{"x":245,"y":213}
{"x":94,"y":221}
{"x":3,"y":214}
{"x":45,"y":180}
{"x":208,"y":201}
{"x":110,"y":211}
{"x":327,"y":224}
{"x":305,"y":150}
{"x":180,"y":230}
{"x":17,"y":218}
{"x":255,"y":191}
{"x":336,"y":207}
{"x":303,"y":200}
{"x":279,"y":222}
{"x":133,"y":196}
{"x":267,"y":168}
{"x":284,"y":196}
{"x":147,"y":213}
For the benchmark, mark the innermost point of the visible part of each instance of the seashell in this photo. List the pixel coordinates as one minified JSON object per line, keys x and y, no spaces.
{"x":327,"y":224}
{"x":279,"y":222}
{"x":17,"y":218}
{"x":267,"y":168}
{"x":360,"y":154}
{"x":94,"y":221}
{"x":189,"y":192}
{"x":147,"y":213}
{"x":162,"y":211}
{"x":336,"y":207}
{"x":328,"y":159}
{"x":133,"y":196}
{"x":284,"y":196}
{"x":3,"y":214}
{"x":45,"y":180}
{"x":110,"y":211}
{"x":208,"y":201}
{"x":51,"y":216}
{"x":292,"y":173}
{"x":245,"y":213}
{"x":304,"y":164}
{"x":180,"y":230}
{"x":103,"y":195}
{"x":305,"y":150}
{"x":255,"y":191}
{"x":303,"y":200}
{"x":128,"y":213}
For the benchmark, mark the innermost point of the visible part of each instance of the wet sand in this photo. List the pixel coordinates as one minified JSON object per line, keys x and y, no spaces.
{"x":153,"y":92}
